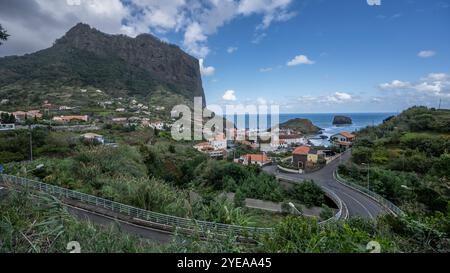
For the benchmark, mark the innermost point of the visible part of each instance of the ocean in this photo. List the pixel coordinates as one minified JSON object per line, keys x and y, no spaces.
{"x":325,"y":121}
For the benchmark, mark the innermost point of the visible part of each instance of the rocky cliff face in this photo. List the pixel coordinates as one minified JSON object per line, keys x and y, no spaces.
{"x":342,"y":120}
{"x":86,"y":56}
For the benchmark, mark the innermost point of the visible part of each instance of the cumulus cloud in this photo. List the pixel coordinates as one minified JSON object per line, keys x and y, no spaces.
{"x":341,"y":96}
{"x":206,"y":70}
{"x":299,"y":60}
{"x":35,"y":24}
{"x":437,"y":84}
{"x":273,"y":10}
{"x":395,"y":84}
{"x":426,"y":54}
{"x":336,"y":98}
{"x":194,"y":39}
{"x":436,"y":77}
{"x":229,"y":95}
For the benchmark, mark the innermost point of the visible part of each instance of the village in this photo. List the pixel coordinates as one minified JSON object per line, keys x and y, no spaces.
{"x":292,"y":151}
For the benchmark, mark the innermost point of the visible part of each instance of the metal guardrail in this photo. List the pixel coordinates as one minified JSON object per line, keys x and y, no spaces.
{"x":339,"y":203}
{"x":341,"y":206}
{"x":136,"y":213}
{"x":380,"y":199}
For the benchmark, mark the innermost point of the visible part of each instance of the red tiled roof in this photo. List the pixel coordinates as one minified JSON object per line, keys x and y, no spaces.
{"x":348,"y":135}
{"x":256,"y":157}
{"x":203,"y":144}
{"x":302,"y":150}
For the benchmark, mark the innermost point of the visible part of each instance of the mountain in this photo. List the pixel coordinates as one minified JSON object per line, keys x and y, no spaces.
{"x":303,"y":126}
{"x":116,"y":64}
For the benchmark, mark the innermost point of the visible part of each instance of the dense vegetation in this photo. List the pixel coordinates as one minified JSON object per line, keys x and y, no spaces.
{"x":25,"y":227}
{"x":406,"y":160}
{"x":58,"y":73}
{"x":303,"y":126}
{"x":15,"y":145}
{"x":157,"y":174}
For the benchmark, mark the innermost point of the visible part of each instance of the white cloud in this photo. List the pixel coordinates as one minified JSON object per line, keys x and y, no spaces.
{"x":258,"y":37}
{"x":265,"y":69}
{"x":342,"y":96}
{"x":36,"y":24}
{"x":261,"y":101}
{"x":300,"y":59}
{"x":426,"y":54}
{"x":396,"y":84}
{"x":436,"y":77}
{"x":206,"y":70}
{"x":437,"y":84}
{"x":336,"y":98}
{"x":194,"y":39}
{"x":232,"y":49}
{"x":374,"y":2}
{"x":229,"y":95}
{"x":273,"y":10}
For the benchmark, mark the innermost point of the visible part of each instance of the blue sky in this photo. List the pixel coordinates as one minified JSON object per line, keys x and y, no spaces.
{"x":356,"y":47}
{"x":305,"y":55}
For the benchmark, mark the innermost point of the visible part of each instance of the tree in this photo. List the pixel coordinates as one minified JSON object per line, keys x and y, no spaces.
{"x":308,"y":193}
{"x":3,"y":35}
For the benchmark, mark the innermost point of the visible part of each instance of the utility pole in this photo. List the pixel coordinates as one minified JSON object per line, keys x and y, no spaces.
{"x":31,"y":142}
{"x":368,"y":175}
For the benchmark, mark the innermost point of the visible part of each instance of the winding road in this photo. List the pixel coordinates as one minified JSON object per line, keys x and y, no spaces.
{"x":357,"y":203}
{"x":354,"y":202}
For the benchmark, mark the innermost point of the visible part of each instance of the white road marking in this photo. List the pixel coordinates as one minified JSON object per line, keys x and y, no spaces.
{"x":368,"y":212}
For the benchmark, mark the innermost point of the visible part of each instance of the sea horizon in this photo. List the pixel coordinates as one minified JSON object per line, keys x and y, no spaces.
{"x":325,"y":122}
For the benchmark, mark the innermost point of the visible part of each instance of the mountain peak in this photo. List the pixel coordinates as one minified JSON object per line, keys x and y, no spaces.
{"x":86,"y":56}
{"x":80,"y":28}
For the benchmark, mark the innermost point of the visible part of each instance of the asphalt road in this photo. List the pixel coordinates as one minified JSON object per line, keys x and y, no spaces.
{"x":358,"y":204}
{"x":144,"y":232}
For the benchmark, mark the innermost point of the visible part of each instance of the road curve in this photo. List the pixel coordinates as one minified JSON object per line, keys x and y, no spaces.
{"x":358,"y":204}
{"x":100,"y":219}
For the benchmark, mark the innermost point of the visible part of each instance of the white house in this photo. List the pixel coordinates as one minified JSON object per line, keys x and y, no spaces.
{"x":218,"y":142}
{"x":343,"y":140}
{"x":292,"y":139}
{"x":7,"y":127}
{"x":93,"y":137}
{"x":159,"y":125}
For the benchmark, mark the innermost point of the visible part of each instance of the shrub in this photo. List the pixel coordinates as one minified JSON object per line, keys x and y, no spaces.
{"x":308,"y":193}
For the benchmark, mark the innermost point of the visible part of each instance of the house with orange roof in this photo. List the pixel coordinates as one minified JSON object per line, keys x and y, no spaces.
{"x":203,"y":147}
{"x":66,"y":119}
{"x":343,"y":140}
{"x":258,"y":159}
{"x":21,"y":115}
{"x":305,"y":155}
